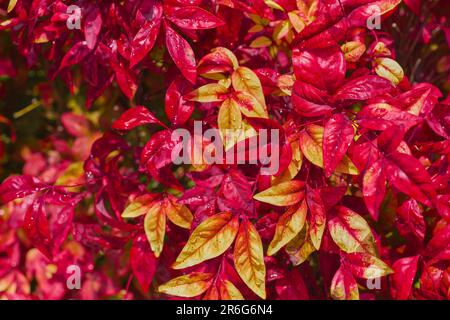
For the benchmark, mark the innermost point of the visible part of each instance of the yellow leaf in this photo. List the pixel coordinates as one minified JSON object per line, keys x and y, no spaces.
{"x":179,"y":214}
{"x":288,"y":226}
{"x":301,"y":247}
{"x":256,"y":28}
{"x":73,"y":175}
{"x":249,"y":106}
{"x":11,"y":5}
{"x":155,"y":227}
{"x":311,"y":145}
{"x":351,"y":232}
{"x":211,"y":92}
{"x":188,"y":286}
{"x":272,"y":4}
{"x":229,"y":122}
{"x":246,"y":80}
{"x":209,"y":240}
{"x":353,"y":50}
{"x":281,"y":30}
{"x":228,"y":291}
{"x":293,"y":168}
{"x":229,"y":54}
{"x":296,"y":22}
{"x":223,"y":290}
{"x":285,"y":83}
{"x":249,"y":258}
{"x":139,"y":206}
{"x":261,"y":42}
{"x":389,"y":69}
{"x":283,"y":194}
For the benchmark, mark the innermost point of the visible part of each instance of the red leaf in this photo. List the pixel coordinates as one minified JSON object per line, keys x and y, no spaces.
{"x":362,"y":88}
{"x":37,"y":228}
{"x":409,"y":176}
{"x":143,"y":261}
{"x":178,"y":110}
{"x":410,"y":220}
{"x":344,"y":286}
{"x":19,"y":186}
{"x":92,"y":27}
{"x":401,"y":281}
{"x":389,"y":140}
{"x":75,"y":55}
{"x":144,"y":41}
{"x":126,"y":81}
{"x":337,"y":137}
{"x":374,"y":188}
{"x":309,"y":101}
{"x":195,"y":18}
{"x":380,"y":116}
{"x":135,"y":117}
{"x":182,"y":54}
{"x":322,"y":67}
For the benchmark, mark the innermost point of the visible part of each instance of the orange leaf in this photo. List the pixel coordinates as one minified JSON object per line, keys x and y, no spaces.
{"x":188,"y":286}
{"x":283,"y":194}
{"x":209,"y":240}
{"x":288,"y":226}
{"x":249,"y":258}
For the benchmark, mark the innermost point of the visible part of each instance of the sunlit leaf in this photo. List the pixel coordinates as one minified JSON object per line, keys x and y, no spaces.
{"x":188,"y":286}
{"x":288,"y":226}
{"x":209,"y":240}
{"x":249,"y":258}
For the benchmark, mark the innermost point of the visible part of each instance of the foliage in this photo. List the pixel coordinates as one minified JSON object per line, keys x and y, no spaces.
{"x":361,"y":195}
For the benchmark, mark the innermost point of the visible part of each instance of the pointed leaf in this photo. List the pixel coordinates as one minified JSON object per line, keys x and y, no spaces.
{"x":182,"y":54}
{"x":245,"y":80}
{"x":143,"y":261}
{"x":209,"y":240}
{"x":337,"y":137}
{"x":177,"y":213}
{"x":311,"y":145}
{"x":374,"y":188}
{"x":318,"y":216}
{"x":366,"y":266}
{"x":155,"y":227}
{"x":402,"y":280}
{"x":249,"y":258}
{"x":283,"y":194}
{"x":288,"y":226}
{"x":344,"y":286}
{"x":351,"y":232}
{"x":135,"y":117}
{"x":188,"y":286}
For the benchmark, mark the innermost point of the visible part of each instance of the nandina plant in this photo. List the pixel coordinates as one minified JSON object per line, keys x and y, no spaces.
{"x":357,"y":205}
